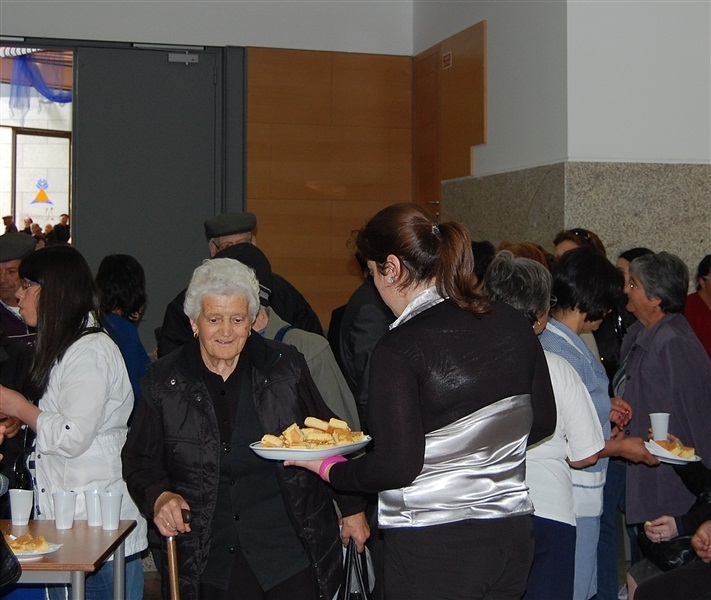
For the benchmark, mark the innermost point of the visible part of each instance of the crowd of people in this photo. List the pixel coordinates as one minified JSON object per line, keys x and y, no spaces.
{"x":51,"y":235}
{"x":507,"y":392}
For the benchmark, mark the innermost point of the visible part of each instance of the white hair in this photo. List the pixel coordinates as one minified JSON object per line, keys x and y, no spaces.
{"x":221,"y":277}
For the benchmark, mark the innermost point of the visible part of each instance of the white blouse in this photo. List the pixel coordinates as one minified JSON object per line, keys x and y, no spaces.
{"x":82,"y":429}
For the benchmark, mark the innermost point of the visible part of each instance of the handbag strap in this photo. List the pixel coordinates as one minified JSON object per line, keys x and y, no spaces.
{"x":279,"y":337}
{"x":355,"y":567}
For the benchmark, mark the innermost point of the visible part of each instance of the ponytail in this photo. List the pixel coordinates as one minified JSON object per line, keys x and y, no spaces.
{"x":428,"y":250}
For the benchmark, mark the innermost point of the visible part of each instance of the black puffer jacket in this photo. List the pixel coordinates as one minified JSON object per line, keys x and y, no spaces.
{"x":173,"y":445}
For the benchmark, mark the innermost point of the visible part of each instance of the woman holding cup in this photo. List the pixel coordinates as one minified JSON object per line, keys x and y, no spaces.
{"x":667,"y":371}
{"x":78,"y":402}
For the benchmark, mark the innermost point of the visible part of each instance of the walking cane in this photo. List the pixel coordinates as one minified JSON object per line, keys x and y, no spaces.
{"x":173,"y":561}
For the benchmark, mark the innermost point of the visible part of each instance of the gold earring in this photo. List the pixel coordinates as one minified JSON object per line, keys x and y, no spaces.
{"x":195,"y":334}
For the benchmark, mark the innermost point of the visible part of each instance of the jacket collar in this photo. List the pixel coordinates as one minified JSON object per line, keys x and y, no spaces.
{"x":263,"y":356}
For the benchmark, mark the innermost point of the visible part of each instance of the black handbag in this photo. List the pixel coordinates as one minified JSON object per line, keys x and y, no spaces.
{"x":355,"y":584}
{"x":10,"y":569}
{"x":667,"y":555}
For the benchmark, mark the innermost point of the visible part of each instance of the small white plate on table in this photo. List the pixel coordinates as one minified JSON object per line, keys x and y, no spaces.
{"x":307,"y":453}
{"x":31,"y":555}
{"x":667,"y":457}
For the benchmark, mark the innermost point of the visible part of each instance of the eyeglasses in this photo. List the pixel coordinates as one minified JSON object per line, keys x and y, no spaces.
{"x":223,"y":245}
{"x":27,"y":283}
{"x":706,"y":277}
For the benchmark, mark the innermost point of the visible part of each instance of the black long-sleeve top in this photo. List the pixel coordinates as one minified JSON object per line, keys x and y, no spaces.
{"x":439,"y":366}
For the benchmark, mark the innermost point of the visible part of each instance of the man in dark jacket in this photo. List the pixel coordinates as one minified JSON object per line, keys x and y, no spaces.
{"x":222,"y":231}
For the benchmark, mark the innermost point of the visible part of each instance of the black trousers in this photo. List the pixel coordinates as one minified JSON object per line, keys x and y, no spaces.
{"x":473,"y":559}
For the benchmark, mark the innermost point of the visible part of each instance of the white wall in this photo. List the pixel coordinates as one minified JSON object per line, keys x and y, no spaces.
{"x":639,"y":81}
{"x":594,"y":80}
{"x":526,"y":72}
{"x":371,"y":26}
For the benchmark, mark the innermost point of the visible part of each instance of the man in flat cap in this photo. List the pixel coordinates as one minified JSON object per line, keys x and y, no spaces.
{"x":223,"y":231}
{"x":13,"y":248}
{"x":9,"y":222}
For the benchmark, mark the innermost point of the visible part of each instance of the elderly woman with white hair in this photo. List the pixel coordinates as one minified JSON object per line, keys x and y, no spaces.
{"x":258,"y":530}
{"x":668,"y":370}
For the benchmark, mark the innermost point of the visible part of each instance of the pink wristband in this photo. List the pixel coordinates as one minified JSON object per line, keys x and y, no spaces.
{"x":327,"y":462}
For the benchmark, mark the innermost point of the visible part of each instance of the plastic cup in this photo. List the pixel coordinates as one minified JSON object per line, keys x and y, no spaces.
{"x":93,"y":508}
{"x":64,"y":507}
{"x":110,"y":509}
{"x":660,"y":425}
{"x":21,"y":506}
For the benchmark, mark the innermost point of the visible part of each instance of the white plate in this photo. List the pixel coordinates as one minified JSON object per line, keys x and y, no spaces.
{"x":667,"y":457}
{"x":305,"y":453}
{"x":32,"y":555}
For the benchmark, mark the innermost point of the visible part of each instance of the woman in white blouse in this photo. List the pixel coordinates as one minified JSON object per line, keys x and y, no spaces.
{"x":80,"y":399}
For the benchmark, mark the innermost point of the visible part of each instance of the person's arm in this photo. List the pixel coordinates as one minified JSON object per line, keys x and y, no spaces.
{"x":142,"y":456}
{"x":629,"y":448}
{"x":14,"y":406}
{"x":542,"y":400}
{"x":583,"y":432}
{"x":78,"y":397}
{"x":396,"y":425}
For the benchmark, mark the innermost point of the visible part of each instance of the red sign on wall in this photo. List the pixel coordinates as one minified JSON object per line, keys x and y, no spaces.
{"x":447,"y":60}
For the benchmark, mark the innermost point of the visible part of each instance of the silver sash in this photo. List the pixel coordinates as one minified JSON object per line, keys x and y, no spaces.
{"x":474,"y":468}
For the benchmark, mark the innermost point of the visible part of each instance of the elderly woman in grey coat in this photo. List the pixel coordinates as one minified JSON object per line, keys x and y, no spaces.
{"x":667,"y":371}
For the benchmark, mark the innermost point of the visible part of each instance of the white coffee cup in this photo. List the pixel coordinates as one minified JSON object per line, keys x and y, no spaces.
{"x":93,"y":508}
{"x":64,"y":508}
{"x":110,"y":509}
{"x":21,"y":506}
{"x":660,"y":425}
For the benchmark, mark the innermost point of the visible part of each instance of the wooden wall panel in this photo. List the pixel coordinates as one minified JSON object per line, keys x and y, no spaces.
{"x":449,"y":111}
{"x":462,"y":106}
{"x":425,"y":150}
{"x":288,"y":86}
{"x":372,"y":90}
{"x":329,"y":138}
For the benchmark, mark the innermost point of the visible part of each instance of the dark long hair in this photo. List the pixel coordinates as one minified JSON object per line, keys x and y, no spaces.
{"x":586,"y":280}
{"x":67,"y":300}
{"x":429,"y":251}
{"x":122,"y":285}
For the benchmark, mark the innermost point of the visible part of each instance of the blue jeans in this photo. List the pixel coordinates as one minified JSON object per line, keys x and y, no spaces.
{"x":613,"y":500}
{"x":100,"y":585}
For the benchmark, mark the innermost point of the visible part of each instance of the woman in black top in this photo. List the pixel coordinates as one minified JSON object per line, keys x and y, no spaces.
{"x":458,"y":387}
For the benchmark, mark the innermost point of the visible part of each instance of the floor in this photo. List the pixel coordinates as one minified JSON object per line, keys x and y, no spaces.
{"x":151,"y":586}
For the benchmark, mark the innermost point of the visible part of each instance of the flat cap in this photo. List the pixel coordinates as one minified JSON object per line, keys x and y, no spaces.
{"x":229,"y":224}
{"x":14,"y":246}
{"x":251,"y":256}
